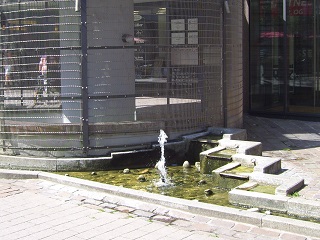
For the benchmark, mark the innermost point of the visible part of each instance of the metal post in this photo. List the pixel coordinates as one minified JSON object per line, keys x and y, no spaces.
{"x":223,"y":63}
{"x":285,"y":58}
{"x":84,"y":79}
{"x":76,"y":6}
{"x":315,"y":53}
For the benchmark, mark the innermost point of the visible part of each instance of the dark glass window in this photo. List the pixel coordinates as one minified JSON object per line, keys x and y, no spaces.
{"x":284,"y":57}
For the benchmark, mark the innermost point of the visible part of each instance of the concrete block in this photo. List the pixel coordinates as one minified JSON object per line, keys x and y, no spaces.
{"x":261,"y":200}
{"x":291,"y":225}
{"x":289,"y":186}
{"x":18,"y":174}
{"x":244,"y":147}
{"x":261,"y":164}
{"x":269,"y":179}
{"x":226,"y":167}
{"x":304,"y":208}
{"x":27,"y":163}
{"x":230,"y":133}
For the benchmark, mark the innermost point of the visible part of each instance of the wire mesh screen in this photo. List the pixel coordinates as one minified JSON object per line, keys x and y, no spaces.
{"x":107,"y":77}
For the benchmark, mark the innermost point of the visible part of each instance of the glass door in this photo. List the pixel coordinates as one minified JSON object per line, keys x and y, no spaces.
{"x":303,"y":56}
{"x":267,"y":61}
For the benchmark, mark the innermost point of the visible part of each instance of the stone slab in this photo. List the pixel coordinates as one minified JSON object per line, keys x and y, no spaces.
{"x":261,"y":200}
{"x":291,"y":225}
{"x":302,"y":207}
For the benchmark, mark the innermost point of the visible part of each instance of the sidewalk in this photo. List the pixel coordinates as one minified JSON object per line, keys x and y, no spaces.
{"x":40,"y":209}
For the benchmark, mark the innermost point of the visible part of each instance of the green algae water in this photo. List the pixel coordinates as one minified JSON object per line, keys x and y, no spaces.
{"x":186,"y":183}
{"x":268,"y":189}
{"x":240,"y":169}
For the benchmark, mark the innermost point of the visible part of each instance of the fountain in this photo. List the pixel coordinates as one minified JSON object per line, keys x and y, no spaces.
{"x":229,"y":171}
{"x":161,"y":164}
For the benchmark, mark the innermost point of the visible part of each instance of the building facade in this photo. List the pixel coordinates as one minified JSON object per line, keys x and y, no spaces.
{"x":285,"y":57}
{"x":87,"y":78}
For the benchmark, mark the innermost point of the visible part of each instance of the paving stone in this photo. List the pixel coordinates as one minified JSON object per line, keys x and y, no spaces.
{"x":180,"y":214}
{"x":244,"y":235}
{"x":164,"y":219}
{"x":124,"y":209}
{"x":202,"y":227}
{"x":199,"y":218}
{"x":265,"y":232}
{"x":182,"y":223}
{"x":241,"y":227}
{"x":141,"y":213}
{"x":225,"y":232}
{"x":221,"y":223}
{"x":289,"y":236}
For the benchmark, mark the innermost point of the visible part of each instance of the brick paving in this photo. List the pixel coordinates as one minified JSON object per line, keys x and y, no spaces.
{"x":39,"y":209}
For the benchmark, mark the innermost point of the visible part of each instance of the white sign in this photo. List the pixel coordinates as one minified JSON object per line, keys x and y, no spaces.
{"x":193,"y":24}
{"x":193,"y":38}
{"x":177,"y":25}
{"x":178,"y":38}
{"x":184,"y":56}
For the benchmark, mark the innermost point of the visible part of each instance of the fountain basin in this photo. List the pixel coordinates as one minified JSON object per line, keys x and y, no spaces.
{"x":229,"y":142}
{"x":184,"y":183}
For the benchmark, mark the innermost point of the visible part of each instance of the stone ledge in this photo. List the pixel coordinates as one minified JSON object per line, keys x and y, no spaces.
{"x":290,"y":186}
{"x":260,"y":164}
{"x":18,"y":174}
{"x":261,"y":200}
{"x":230,"y":133}
{"x":226,"y":167}
{"x":244,"y":147}
{"x":303,"y":207}
{"x":284,"y":185}
{"x":291,"y":225}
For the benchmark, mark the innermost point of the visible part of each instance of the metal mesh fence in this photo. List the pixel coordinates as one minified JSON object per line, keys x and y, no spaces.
{"x":107,"y":77}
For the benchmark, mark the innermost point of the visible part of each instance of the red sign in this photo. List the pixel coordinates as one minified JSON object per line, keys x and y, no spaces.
{"x":300,"y":7}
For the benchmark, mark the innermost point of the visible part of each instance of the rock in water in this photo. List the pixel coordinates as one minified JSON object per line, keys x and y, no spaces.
{"x":142,"y":178}
{"x":208,"y":192}
{"x":202,"y":182}
{"x":186,"y":164}
{"x":197,"y":165}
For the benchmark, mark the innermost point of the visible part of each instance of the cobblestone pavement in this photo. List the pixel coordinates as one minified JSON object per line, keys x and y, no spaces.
{"x":296,"y":142}
{"x":38,"y":209}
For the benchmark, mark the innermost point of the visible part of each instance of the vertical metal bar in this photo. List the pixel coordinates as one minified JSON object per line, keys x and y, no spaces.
{"x":285,"y":58}
{"x":315,"y":79}
{"x":76,"y":6}
{"x":223,"y":64}
{"x":84,"y":78}
{"x":2,"y":114}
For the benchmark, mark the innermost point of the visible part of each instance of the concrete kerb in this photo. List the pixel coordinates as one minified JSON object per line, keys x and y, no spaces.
{"x":48,"y":164}
{"x":18,"y":174}
{"x":209,"y":210}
